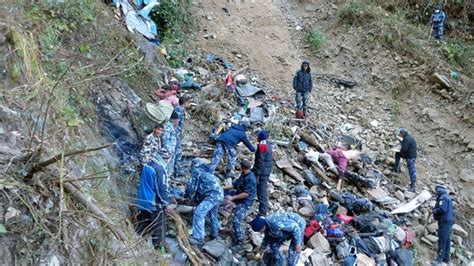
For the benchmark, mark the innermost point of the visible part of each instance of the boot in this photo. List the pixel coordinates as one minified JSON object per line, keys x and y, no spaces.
{"x":396,"y":169}
{"x":412,"y":187}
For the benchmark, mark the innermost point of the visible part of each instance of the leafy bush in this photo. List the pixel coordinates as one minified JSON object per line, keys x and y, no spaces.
{"x":354,"y":12}
{"x":316,"y":40}
{"x":173,"y":18}
{"x":459,"y":54}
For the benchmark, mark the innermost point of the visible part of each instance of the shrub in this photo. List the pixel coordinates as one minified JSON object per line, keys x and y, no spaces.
{"x":316,"y":40}
{"x":353,"y":12}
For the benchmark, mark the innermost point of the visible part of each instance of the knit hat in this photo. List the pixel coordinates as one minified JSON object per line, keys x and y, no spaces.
{"x":174,"y":115}
{"x":258,"y":223}
{"x":245,"y":164}
{"x":263,"y":135}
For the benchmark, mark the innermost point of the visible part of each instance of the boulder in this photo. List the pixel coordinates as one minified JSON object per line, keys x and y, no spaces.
{"x":457,"y":239}
{"x":458,"y":230}
{"x":426,"y":241}
{"x":319,"y":243}
{"x":399,"y":195}
{"x":410,"y":195}
{"x":432,"y":238}
{"x":256,"y":238}
{"x":441,"y":80}
{"x":215,"y":247}
{"x":306,"y":211}
{"x":432,"y":228}
{"x":317,"y":258}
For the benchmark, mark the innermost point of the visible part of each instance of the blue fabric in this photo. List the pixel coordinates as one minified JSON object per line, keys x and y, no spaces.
{"x":410,"y":164}
{"x":231,"y":152}
{"x":301,"y":99}
{"x":437,"y":21}
{"x":263,"y":161}
{"x":240,"y":212}
{"x":262,"y":194}
{"x":303,"y":81}
{"x":209,"y":206}
{"x":169,"y":140}
{"x":235,"y":135}
{"x":181,"y":114}
{"x":275,"y":257}
{"x":153,"y":188}
{"x":203,"y":184}
{"x":248,"y":184}
{"x":258,"y":223}
{"x":444,"y":241}
{"x":284,"y":226}
{"x":443,"y":210}
{"x":263,"y":135}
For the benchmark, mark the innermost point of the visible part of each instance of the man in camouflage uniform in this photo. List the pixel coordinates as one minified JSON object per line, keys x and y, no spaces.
{"x":204,"y":189}
{"x":184,"y":102}
{"x":152,"y":147}
{"x":243,"y":195}
{"x":279,"y":228}
{"x":228,"y":141}
{"x":170,"y":139}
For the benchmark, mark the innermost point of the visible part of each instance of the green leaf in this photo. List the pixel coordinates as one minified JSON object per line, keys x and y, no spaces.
{"x":84,"y":48}
{"x":3,"y":229}
{"x":73,"y":122}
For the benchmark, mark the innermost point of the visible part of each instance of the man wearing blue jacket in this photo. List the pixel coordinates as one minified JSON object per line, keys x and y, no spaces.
{"x":242,"y":193}
{"x":204,"y":189}
{"x":262,"y":170}
{"x":303,"y":85}
{"x":228,"y":141}
{"x":153,"y":200}
{"x":443,"y":213}
{"x":437,"y":22}
{"x":407,"y":152}
{"x":279,"y":228}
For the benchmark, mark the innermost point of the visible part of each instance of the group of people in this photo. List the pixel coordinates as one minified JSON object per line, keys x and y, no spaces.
{"x":161,"y":157}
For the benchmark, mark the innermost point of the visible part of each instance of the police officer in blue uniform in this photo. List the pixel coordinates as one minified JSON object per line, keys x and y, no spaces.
{"x":443,"y":213}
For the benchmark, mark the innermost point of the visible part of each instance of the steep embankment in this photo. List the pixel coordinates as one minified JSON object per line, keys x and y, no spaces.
{"x":392,"y":61}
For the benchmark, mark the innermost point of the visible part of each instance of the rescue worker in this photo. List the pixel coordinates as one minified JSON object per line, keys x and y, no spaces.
{"x":204,"y":189}
{"x":262,"y":170}
{"x":279,"y":228}
{"x":153,"y":200}
{"x":443,"y":213}
{"x":184,"y":103}
{"x":407,"y":152}
{"x":437,"y":22}
{"x":242,"y":192}
{"x":170,"y":140}
{"x":303,"y":85}
{"x":152,"y":147}
{"x":228,"y":141}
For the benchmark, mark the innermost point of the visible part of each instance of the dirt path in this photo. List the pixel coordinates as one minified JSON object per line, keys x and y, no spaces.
{"x":254,"y":33}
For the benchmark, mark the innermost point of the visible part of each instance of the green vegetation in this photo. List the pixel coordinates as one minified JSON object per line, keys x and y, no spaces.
{"x":459,"y":54}
{"x":355,"y":12}
{"x":174,"y":20}
{"x":316,"y":40}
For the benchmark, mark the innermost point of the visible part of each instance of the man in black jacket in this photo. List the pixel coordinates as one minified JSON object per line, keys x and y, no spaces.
{"x":262,"y":170}
{"x":303,"y":85}
{"x":407,"y":152}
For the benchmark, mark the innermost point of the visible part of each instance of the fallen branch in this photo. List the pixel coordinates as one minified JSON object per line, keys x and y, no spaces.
{"x":37,"y":167}
{"x":195,"y":255}
{"x":83,"y":199}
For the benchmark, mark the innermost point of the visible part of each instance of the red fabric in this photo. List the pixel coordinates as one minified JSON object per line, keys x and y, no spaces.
{"x":410,"y":239}
{"x":345,"y":218}
{"x":229,"y":83}
{"x":163,"y":94}
{"x":300,"y":114}
{"x":339,"y":158}
{"x":312,"y":228}
{"x":262,"y":147}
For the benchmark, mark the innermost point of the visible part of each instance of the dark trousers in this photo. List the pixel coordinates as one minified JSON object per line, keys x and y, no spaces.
{"x":444,"y":241}
{"x":262,"y":194}
{"x":410,"y":164}
{"x":154,"y":223}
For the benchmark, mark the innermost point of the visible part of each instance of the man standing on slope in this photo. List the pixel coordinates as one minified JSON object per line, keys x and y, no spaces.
{"x":443,"y":213}
{"x":407,"y":152}
{"x":303,"y":85}
{"x":437,"y":22}
{"x":262,"y":170}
